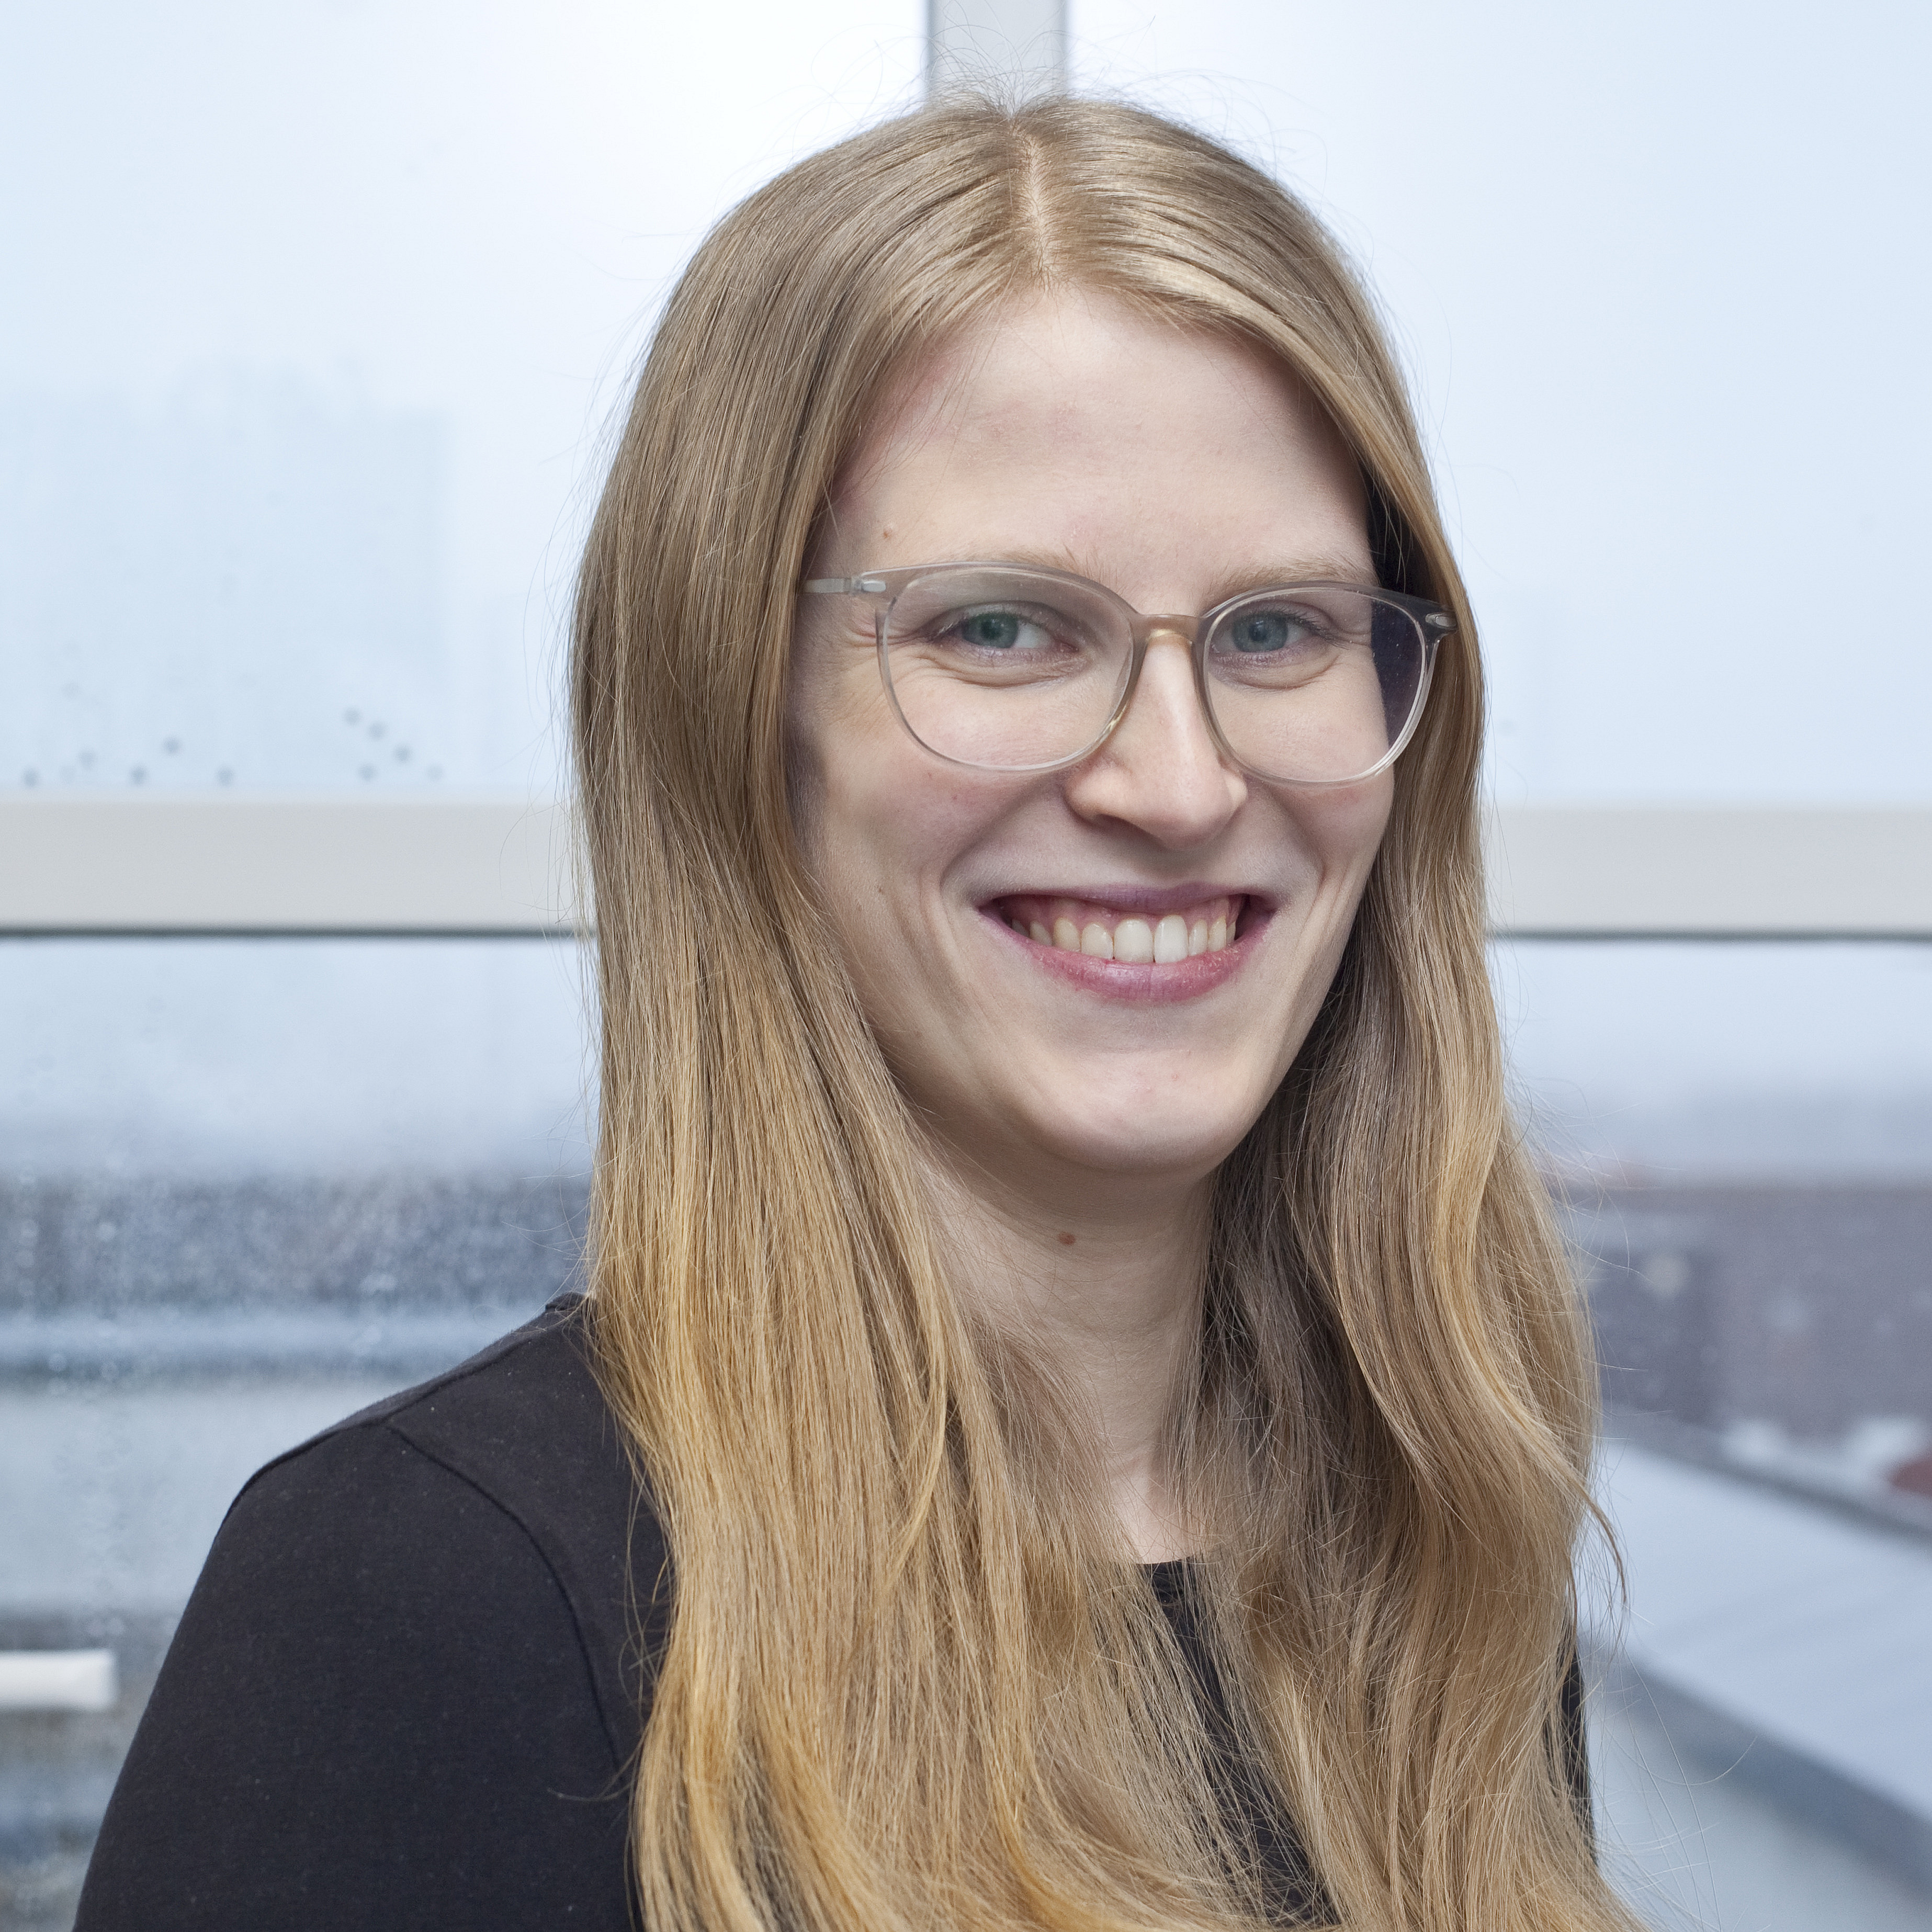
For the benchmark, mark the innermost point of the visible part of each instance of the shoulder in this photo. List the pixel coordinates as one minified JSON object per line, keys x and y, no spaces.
{"x":530,"y":1396}
{"x":411,"y":1666}
{"x":517,"y":1440}
{"x":526,"y":1428}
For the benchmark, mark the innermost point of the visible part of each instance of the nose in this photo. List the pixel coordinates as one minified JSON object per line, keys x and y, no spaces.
{"x":1161,"y":771}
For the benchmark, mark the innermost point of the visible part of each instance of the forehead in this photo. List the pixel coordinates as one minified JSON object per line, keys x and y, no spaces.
{"x":1075,"y":425}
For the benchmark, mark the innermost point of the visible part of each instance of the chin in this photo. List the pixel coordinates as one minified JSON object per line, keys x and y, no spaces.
{"x":1174,"y":1143}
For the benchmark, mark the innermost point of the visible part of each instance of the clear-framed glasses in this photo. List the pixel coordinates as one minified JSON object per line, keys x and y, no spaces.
{"x":1007,"y":668}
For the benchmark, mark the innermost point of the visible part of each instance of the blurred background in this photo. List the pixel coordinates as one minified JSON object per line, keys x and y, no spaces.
{"x":312,"y":324}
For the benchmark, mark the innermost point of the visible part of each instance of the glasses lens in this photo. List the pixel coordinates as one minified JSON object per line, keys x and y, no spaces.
{"x":1004,"y":668}
{"x":1316,"y":684}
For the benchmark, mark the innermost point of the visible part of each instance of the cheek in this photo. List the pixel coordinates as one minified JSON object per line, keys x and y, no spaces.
{"x":889,"y":830}
{"x":1344,"y":829}
{"x":879,"y":823}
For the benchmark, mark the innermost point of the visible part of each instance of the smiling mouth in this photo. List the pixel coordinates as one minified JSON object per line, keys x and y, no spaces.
{"x":1127,"y":938}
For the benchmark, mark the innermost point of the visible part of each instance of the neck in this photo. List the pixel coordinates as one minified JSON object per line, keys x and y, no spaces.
{"x":1104,"y":1283}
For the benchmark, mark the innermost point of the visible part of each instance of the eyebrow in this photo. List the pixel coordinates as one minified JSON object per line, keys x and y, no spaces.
{"x":1320,"y":569}
{"x":1303,"y":570}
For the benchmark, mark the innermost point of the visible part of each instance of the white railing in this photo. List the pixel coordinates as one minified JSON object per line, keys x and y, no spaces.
{"x":1710,"y":871}
{"x":481,"y":864}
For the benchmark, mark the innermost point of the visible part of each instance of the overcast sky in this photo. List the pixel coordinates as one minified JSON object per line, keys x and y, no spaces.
{"x":312,"y":312}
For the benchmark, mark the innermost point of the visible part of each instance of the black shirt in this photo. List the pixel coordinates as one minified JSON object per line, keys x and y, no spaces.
{"x":408,"y":1688}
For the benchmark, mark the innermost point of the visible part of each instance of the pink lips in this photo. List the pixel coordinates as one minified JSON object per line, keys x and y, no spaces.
{"x":1140,"y":945}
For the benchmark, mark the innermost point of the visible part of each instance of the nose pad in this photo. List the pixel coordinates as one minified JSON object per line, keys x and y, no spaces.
{"x":1171,"y":630}
{"x":1162,"y":772}
{"x":1175,"y":713}
{"x":1179,"y":630}
{"x":1152,"y":633}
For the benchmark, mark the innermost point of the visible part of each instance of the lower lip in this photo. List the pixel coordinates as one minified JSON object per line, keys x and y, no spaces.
{"x":1144,"y":986}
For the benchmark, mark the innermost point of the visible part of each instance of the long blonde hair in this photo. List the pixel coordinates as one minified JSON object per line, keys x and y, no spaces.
{"x":910,"y":1682}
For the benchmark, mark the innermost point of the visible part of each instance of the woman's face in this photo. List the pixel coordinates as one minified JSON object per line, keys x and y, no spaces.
{"x":1177,"y":468}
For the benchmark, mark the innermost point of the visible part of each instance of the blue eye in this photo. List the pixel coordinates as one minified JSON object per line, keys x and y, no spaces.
{"x":1266,"y":631}
{"x":990,"y":630}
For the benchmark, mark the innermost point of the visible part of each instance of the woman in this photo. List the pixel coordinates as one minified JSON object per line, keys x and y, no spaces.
{"x":1080,"y":1419}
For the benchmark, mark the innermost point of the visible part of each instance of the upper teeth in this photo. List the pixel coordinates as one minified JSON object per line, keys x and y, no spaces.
{"x":1079,"y":926}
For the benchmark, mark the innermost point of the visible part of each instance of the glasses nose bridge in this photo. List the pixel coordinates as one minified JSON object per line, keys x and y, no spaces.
{"x":1175,"y":627}
{"x":1182,"y":627}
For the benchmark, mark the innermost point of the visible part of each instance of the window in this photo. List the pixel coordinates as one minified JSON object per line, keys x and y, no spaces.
{"x":310,"y":355}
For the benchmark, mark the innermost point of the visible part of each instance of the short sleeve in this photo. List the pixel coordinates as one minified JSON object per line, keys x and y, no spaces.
{"x":377,"y":1712}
